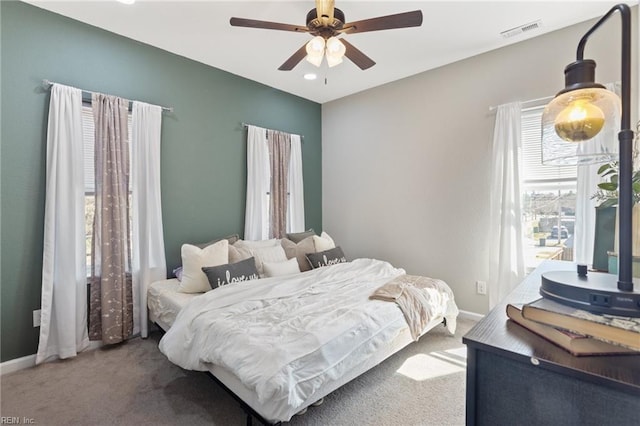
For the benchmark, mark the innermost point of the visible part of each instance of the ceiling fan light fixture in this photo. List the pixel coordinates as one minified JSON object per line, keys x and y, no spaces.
{"x":332,"y":61}
{"x":335,"y":51}
{"x":315,"y":60}
{"x":335,"y":47}
{"x":315,"y":47}
{"x":315,"y":50}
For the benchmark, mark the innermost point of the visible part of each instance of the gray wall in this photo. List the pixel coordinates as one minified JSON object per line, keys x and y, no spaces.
{"x":407,"y":165}
{"x":203,"y":144}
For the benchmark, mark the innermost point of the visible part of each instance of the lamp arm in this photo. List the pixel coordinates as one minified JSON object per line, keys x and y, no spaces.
{"x":625,"y":196}
{"x":625,"y":16}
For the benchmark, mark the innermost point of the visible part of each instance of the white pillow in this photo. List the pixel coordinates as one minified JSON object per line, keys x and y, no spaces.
{"x":194,"y":259}
{"x":323,"y":242}
{"x":276,"y":269}
{"x":267,"y":254}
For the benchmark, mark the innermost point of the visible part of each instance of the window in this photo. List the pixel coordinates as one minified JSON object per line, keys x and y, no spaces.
{"x":549,"y":198}
{"x":88,"y":135}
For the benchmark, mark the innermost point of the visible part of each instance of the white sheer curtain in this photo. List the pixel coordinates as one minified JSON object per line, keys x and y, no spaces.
{"x":506,"y":250}
{"x":148,"y":257}
{"x":295,"y":210}
{"x":587,"y":183}
{"x":256,"y":226}
{"x":63,"y":328}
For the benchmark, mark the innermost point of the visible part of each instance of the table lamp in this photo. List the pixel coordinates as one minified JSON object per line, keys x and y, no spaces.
{"x":578,"y":113}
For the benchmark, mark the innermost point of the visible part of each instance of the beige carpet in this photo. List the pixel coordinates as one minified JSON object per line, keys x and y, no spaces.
{"x":134,"y":384}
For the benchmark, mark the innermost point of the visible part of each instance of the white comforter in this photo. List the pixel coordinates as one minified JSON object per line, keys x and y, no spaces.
{"x":284,"y":337}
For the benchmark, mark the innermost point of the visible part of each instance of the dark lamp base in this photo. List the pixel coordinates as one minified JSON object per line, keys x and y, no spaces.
{"x":597,"y":292}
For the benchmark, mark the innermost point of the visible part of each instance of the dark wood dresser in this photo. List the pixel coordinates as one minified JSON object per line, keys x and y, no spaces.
{"x":515,"y":377}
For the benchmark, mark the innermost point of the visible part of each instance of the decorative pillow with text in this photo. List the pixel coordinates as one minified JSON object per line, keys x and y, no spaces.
{"x":230,"y":273}
{"x":326,"y":258}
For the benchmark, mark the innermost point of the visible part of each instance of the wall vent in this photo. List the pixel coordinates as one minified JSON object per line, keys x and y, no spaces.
{"x":521,"y":29}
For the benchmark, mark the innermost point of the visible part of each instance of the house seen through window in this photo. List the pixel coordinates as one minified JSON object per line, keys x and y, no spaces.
{"x":549,"y":198}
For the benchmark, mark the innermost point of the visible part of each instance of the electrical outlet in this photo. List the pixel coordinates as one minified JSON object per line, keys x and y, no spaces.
{"x":481,"y":287}
{"x":36,"y":318}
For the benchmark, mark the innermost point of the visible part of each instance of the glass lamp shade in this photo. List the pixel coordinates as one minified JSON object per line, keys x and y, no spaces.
{"x":333,"y":60}
{"x":335,"y":51}
{"x":315,"y":50}
{"x":581,"y":127}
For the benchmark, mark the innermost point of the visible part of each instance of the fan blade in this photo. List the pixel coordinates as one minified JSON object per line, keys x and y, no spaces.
{"x":356,"y":56}
{"x":252,"y":23}
{"x":400,"y":20}
{"x":290,"y":63}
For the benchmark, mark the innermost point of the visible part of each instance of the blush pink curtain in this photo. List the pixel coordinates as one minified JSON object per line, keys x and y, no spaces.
{"x":111,"y":302}
{"x":279,"y":155}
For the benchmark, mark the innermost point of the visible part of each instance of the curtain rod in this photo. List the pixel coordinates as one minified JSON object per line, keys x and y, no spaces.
{"x":245,"y":125}
{"x":530,"y":101}
{"x":49,"y":83}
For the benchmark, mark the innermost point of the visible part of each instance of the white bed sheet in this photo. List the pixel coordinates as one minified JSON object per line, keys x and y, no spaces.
{"x":165,"y":301}
{"x":304,"y":374}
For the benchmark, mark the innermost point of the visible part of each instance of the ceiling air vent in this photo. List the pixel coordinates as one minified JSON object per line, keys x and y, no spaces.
{"x":521,"y":29}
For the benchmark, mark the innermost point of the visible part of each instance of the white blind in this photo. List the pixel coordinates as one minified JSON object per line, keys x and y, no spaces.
{"x":88,"y":135}
{"x":534,"y":172}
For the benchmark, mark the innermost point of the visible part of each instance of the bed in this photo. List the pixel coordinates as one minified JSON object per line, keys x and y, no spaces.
{"x":280,"y":344}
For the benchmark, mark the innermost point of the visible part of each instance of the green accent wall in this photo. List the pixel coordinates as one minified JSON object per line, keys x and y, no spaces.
{"x":203,"y":142}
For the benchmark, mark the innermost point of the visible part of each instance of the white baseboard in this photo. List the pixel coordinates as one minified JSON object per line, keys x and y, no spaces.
{"x":17,"y":364}
{"x":470,"y":315}
{"x":29,"y":361}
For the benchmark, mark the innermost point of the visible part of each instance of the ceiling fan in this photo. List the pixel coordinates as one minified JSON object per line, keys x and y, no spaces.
{"x":326,"y":22}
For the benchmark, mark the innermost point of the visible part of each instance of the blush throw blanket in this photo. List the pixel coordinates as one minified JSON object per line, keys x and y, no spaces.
{"x":418,"y":298}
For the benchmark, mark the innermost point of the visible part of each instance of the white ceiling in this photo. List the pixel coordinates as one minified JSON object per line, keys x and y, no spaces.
{"x":200,"y":30}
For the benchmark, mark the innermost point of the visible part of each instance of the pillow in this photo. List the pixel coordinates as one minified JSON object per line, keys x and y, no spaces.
{"x":236,"y":254}
{"x":267,"y":254}
{"x":326,"y":258}
{"x":299,"y":251}
{"x":276,"y":269}
{"x":296,"y":237}
{"x":231,"y":238}
{"x":323,"y":242}
{"x":194,"y":258}
{"x":230,"y":273}
{"x":178,"y":273}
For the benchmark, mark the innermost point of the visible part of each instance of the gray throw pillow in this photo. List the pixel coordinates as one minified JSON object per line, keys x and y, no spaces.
{"x":296,"y":237}
{"x":325,"y":258}
{"x":231,"y":238}
{"x":230,"y":273}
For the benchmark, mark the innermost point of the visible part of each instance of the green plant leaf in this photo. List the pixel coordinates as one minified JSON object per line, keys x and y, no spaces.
{"x":604,"y":167}
{"x":608,"y":186}
{"x":610,"y":202}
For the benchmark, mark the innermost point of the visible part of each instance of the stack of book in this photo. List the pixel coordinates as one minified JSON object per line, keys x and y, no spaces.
{"x":579,"y":332}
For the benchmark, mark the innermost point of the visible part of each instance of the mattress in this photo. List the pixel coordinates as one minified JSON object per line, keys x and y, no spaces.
{"x":277,"y":413}
{"x":165,"y":303}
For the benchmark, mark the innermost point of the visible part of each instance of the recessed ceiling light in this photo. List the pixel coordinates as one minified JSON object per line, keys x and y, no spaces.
{"x":310,"y":76}
{"x":127,"y":1}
